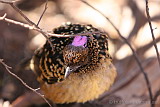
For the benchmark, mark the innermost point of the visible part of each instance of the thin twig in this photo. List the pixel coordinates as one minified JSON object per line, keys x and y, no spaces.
{"x":2,"y":1}
{"x":151,"y":28}
{"x":78,"y":34}
{"x":140,"y":19}
{"x":28,"y":20}
{"x":156,"y":96}
{"x":18,"y":23}
{"x":45,"y":32}
{"x":45,"y":8}
{"x":18,"y":10}
{"x":143,"y":49}
{"x":8,"y":70}
{"x":134,"y":53}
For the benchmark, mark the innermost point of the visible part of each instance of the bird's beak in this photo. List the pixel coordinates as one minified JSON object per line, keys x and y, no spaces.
{"x":68,"y":71}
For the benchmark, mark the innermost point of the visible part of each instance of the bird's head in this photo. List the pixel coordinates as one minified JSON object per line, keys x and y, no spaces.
{"x":76,"y":54}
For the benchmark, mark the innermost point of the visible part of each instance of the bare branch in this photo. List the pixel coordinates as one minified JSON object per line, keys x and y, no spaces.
{"x":78,"y":34}
{"x":151,"y":28}
{"x":28,"y":20}
{"x":34,"y":90}
{"x":144,"y":48}
{"x":8,"y":2}
{"x":3,"y":17}
{"x":18,"y":10}
{"x":18,"y":23}
{"x":140,"y":19}
{"x":156,"y":96}
{"x":133,"y":51}
{"x":45,"y":8}
{"x":42,"y":31}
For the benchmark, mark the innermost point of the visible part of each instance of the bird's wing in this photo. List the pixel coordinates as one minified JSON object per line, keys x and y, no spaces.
{"x":48,"y":61}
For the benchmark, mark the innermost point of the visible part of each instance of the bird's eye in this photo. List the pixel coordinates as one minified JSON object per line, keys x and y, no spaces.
{"x":85,"y":45}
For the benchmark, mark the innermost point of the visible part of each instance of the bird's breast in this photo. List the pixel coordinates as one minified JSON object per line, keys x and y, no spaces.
{"x":82,"y":87}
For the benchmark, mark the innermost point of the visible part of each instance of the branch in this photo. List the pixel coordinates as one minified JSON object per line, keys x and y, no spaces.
{"x":11,"y":3}
{"x":140,"y":19}
{"x":156,"y":96}
{"x":27,"y":19}
{"x":151,"y":28}
{"x":42,"y":31}
{"x":34,"y":90}
{"x":45,"y":8}
{"x":134,"y":53}
{"x":143,"y":49}
{"x":18,"y":23}
{"x":8,"y":2}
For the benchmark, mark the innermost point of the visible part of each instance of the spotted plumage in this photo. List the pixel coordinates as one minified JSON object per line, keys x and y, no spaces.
{"x":70,"y":59}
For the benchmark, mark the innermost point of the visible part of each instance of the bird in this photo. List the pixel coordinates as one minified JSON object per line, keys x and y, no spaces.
{"x":74,"y":69}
